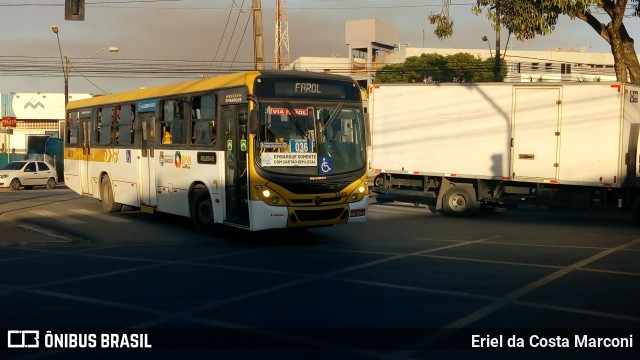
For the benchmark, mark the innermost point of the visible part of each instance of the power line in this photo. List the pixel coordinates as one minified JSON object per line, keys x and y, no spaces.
{"x":221,"y":38}
{"x":246,"y":26}
{"x":232,"y":33}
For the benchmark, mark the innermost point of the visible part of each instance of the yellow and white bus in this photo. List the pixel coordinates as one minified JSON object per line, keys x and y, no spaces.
{"x":255,"y":150}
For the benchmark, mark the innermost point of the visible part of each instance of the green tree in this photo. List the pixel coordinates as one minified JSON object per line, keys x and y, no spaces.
{"x":526,"y":19}
{"x":436,"y":68}
{"x":394,"y":73}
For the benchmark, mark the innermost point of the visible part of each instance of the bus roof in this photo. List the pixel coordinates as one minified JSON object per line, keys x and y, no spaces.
{"x":194,"y":86}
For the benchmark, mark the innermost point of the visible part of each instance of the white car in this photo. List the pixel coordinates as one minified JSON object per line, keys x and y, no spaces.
{"x":27,"y":173}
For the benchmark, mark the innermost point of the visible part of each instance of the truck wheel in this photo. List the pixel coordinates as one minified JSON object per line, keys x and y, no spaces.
{"x":460,"y":201}
{"x":108,"y":204}
{"x":202,"y":212}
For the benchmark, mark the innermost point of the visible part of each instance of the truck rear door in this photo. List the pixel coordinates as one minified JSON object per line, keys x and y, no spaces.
{"x":536,"y":116}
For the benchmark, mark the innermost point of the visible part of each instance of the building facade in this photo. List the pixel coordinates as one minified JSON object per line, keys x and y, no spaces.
{"x":373,"y":43}
{"x":29,"y":119}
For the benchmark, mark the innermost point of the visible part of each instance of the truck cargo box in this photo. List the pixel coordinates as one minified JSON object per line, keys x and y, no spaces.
{"x":576,"y":133}
{"x":506,"y":134}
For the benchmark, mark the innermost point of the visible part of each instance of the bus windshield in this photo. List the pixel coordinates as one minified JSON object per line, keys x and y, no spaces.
{"x":308,"y":138}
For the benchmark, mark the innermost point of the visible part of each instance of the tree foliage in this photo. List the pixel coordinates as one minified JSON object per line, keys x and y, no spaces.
{"x":527,"y":19}
{"x":436,"y":68}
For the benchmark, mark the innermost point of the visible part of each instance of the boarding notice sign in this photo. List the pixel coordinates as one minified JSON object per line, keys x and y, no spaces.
{"x":288,"y":159}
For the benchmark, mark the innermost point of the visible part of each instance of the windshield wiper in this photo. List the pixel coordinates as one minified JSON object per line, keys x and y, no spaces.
{"x":333,"y":117}
{"x":302,"y":131}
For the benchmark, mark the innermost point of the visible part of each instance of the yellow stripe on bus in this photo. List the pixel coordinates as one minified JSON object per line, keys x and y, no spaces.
{"x":95,"y":155}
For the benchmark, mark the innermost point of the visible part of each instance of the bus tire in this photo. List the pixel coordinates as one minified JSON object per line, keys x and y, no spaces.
{"x":108,"y":205}
{"x":202,"y":212}
{"x":460,"y":201}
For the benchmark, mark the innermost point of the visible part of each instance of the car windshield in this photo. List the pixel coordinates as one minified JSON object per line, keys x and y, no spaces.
{"x":16,"y":165}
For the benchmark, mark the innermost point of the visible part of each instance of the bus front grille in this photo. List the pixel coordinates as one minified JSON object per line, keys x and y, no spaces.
{"x":311,"y":201}
{"x":318,"y":215}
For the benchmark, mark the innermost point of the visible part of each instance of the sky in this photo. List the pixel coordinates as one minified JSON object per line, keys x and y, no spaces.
{"x":196,"y":38}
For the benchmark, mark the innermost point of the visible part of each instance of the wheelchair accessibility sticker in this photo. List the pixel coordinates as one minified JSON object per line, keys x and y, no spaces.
{"x":325,"y":166}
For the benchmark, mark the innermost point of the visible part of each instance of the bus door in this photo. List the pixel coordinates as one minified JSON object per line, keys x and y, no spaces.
{"x":147,"y":170}
{"x":235,"y":118}
{"x":85,"y":162}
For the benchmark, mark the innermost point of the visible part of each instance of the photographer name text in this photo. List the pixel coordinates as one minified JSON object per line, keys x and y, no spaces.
{"x":536,"y":341}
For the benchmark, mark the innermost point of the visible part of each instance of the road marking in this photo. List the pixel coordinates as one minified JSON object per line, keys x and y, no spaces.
{"x":59,"y":238}
{"x":511,"y":298}
{"x":73,"y":221}
{"x":59,"y":217}
{"x":99,"y":215}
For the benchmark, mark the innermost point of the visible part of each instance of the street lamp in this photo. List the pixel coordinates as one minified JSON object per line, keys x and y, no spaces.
{"x":484,"y":38}
{"x":64,"y":61}
{"x":67,"y":67}
{"x":496,"y":67}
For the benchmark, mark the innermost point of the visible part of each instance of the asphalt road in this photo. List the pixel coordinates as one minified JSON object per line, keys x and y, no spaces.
{"x":408,"y":284}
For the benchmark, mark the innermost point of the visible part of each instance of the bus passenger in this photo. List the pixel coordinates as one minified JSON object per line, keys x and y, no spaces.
{"x":166,"y":139}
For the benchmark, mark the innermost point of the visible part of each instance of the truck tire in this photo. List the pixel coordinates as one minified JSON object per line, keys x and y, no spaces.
{"x":460,"y":201}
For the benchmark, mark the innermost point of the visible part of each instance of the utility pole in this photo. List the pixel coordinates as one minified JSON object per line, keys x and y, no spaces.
{"x":74,"y":10}
{"x":258,"y":41}
{"x":282,"y":36}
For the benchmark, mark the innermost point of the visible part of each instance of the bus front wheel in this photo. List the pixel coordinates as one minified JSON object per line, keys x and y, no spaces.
{"x":202,"y":212}
{"x":108,"y":204}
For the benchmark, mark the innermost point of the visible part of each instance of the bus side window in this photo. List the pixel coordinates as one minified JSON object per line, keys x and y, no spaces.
{"x":174,"y":124}
{"x":125,"y":124}
{"x":115,"y":128}
{"x":72,"y":128}
{"x":105,"y":119}
{"x":204,"y":124}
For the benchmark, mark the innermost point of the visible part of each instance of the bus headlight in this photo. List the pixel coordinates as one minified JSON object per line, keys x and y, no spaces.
{"x":357,"y":195}
{"x":268,"y":196}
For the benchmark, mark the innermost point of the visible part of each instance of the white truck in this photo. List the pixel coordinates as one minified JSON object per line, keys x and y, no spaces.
{"x":471,"y":147}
